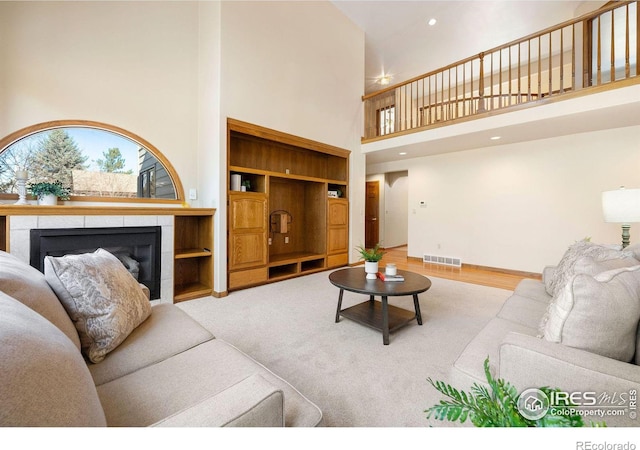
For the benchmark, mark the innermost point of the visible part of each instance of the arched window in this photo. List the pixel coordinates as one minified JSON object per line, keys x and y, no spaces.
{"x":94,"y":160}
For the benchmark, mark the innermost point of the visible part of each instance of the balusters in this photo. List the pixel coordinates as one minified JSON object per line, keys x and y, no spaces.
{"x":450,"y":92}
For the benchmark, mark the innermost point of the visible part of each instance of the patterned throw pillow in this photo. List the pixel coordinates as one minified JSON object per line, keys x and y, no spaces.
{"x":102,"y":298}
{"x":597,"y":253}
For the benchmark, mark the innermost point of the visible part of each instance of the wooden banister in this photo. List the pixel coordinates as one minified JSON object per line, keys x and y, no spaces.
{"x":525,"y":70}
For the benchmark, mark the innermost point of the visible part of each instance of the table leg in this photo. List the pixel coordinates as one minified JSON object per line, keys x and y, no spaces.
{"x":416,"y":304}
{"x":371,"y":298}
{"x":339,"y":305}
{"x":385,"y":321}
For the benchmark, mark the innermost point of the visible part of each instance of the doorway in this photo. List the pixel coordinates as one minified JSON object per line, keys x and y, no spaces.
{"x":371,"y":214}
{"x":386,"y":201}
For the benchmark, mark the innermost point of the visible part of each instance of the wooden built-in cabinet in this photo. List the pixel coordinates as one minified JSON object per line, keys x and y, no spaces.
{"x":337,"y":232}
{"x":284,"y":224}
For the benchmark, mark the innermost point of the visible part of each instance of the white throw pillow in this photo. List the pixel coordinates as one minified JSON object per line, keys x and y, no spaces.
{"x":599,"y":314}
{"x":602,"y":257}
{"x":102,"y":298}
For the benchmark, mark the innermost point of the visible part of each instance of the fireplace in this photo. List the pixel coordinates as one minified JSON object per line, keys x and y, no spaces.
{"x":138,"y":247}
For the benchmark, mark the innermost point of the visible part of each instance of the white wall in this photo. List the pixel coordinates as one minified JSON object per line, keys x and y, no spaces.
{"x":172,"y":72}
{"x":519,"y":206}
{"x":129,"y":64}
{"x":296,"y":67}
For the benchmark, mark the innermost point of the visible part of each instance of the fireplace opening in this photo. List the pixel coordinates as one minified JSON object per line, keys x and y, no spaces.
{"x":138,"y":248}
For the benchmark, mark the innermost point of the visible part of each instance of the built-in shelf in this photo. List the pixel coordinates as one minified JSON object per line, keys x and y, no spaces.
{"x":191,"y":253}
{"x":193,"y":259}
{"x":282,"y":225}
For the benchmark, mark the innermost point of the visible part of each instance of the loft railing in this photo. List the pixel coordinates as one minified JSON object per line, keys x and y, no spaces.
{"x":595,"y":49}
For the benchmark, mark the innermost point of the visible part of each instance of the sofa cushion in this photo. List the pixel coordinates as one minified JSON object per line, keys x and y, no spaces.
{"x":28,"y":285}
{"x":523,"y":310}
{"x":45,"y":381}
{"x":487,"y":343}
{"x":166,"y":332}
{"x":102,"y":298}
{"x":598,"y":314}
{"x":533,"y":289}
{"x":153,"y":393}
{"x":252,"y":402}
{"x":587,"y":257}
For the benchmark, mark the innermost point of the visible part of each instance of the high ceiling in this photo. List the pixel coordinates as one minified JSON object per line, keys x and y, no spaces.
{"x":399,"y":42}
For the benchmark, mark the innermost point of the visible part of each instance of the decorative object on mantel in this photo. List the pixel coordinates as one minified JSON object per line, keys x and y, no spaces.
{"x":371,"y":258}
{"x":21,"y":183}
{"x":622,"y":206}
{"x":49,"y":193}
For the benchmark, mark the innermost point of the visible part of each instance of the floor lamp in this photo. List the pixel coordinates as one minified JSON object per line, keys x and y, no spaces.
{"x":622,"y":206}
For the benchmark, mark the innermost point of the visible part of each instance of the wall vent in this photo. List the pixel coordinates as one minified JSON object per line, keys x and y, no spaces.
{"x":444,"y":260}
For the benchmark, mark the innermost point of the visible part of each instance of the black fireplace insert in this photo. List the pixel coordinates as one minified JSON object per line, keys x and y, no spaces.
{"x":139,"y":248}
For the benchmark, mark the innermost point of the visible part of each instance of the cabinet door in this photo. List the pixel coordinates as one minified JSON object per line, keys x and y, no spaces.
{"x":338,"y":212}
{"x":338,"y":226}
{"x":247,"y":230}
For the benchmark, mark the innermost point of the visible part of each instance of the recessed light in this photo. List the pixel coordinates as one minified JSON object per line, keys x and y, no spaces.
{"x":402,"y":153}
{"x":495,"y":138}
{"x":384,"y":80}
{"x":432,"y":22}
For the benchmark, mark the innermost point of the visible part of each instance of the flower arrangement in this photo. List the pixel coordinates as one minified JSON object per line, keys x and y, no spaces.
{"x":46,"y":188}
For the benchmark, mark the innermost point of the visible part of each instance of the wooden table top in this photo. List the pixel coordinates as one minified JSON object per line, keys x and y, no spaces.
{"x":354,"y":279}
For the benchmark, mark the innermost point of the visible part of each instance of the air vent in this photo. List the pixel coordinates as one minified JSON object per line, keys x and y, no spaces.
{"x":444,"y":260}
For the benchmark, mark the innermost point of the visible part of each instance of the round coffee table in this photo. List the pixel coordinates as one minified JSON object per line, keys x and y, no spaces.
{"x":379,"y":315}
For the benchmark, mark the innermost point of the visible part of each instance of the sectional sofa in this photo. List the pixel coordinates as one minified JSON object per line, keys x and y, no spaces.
{"x":154,"y":365}
{"x":576,"y":330}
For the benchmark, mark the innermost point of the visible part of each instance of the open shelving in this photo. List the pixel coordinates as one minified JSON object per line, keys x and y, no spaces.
{"x":291,"y":178}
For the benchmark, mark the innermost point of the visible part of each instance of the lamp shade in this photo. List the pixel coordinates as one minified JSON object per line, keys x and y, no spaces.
{"x":621,"y":205}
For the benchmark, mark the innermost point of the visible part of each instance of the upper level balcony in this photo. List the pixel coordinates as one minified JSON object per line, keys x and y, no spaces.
{"x":596,"y":52}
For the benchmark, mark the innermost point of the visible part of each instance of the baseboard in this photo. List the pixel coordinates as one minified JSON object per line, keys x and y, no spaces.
{"x":519,"y":273}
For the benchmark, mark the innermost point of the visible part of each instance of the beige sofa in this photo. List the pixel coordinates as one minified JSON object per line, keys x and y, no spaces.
{"x":583,"y":338}
{"x":169,"y":371}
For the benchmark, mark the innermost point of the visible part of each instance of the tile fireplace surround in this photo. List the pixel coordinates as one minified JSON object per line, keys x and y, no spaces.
{"x":18,"y":221}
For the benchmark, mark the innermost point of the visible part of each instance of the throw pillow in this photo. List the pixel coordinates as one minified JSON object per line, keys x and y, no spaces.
{"x":599,"y":314}
{"x":599,"y":253}
{"x":102,"y":298}
{"x":634,"y":250}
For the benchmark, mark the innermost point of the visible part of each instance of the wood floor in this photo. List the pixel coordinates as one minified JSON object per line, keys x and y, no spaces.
{"x":485,"y":277}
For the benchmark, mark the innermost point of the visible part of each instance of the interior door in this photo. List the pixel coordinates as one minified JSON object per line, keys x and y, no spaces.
{"x":371,"y":214}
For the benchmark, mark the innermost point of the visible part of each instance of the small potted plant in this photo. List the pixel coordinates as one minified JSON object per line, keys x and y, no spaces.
{"x":371,"y":258}
{"x":48,"y":193}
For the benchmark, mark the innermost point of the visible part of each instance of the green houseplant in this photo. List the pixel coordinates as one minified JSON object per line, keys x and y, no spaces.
{"x":498,"y":406}
{"x":372,"y":255}
{"x":44,"y":190}
{"x":371,"y":258}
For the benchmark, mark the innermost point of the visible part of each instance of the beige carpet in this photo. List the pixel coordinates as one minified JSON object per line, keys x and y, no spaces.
{"x":343,"y":367}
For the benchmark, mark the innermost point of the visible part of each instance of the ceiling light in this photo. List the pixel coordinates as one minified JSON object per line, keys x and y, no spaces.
{"x":495,"y":138}
{"x":432,"y":22}
{"x":402,"y":153}
{"x":384,"y":80}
